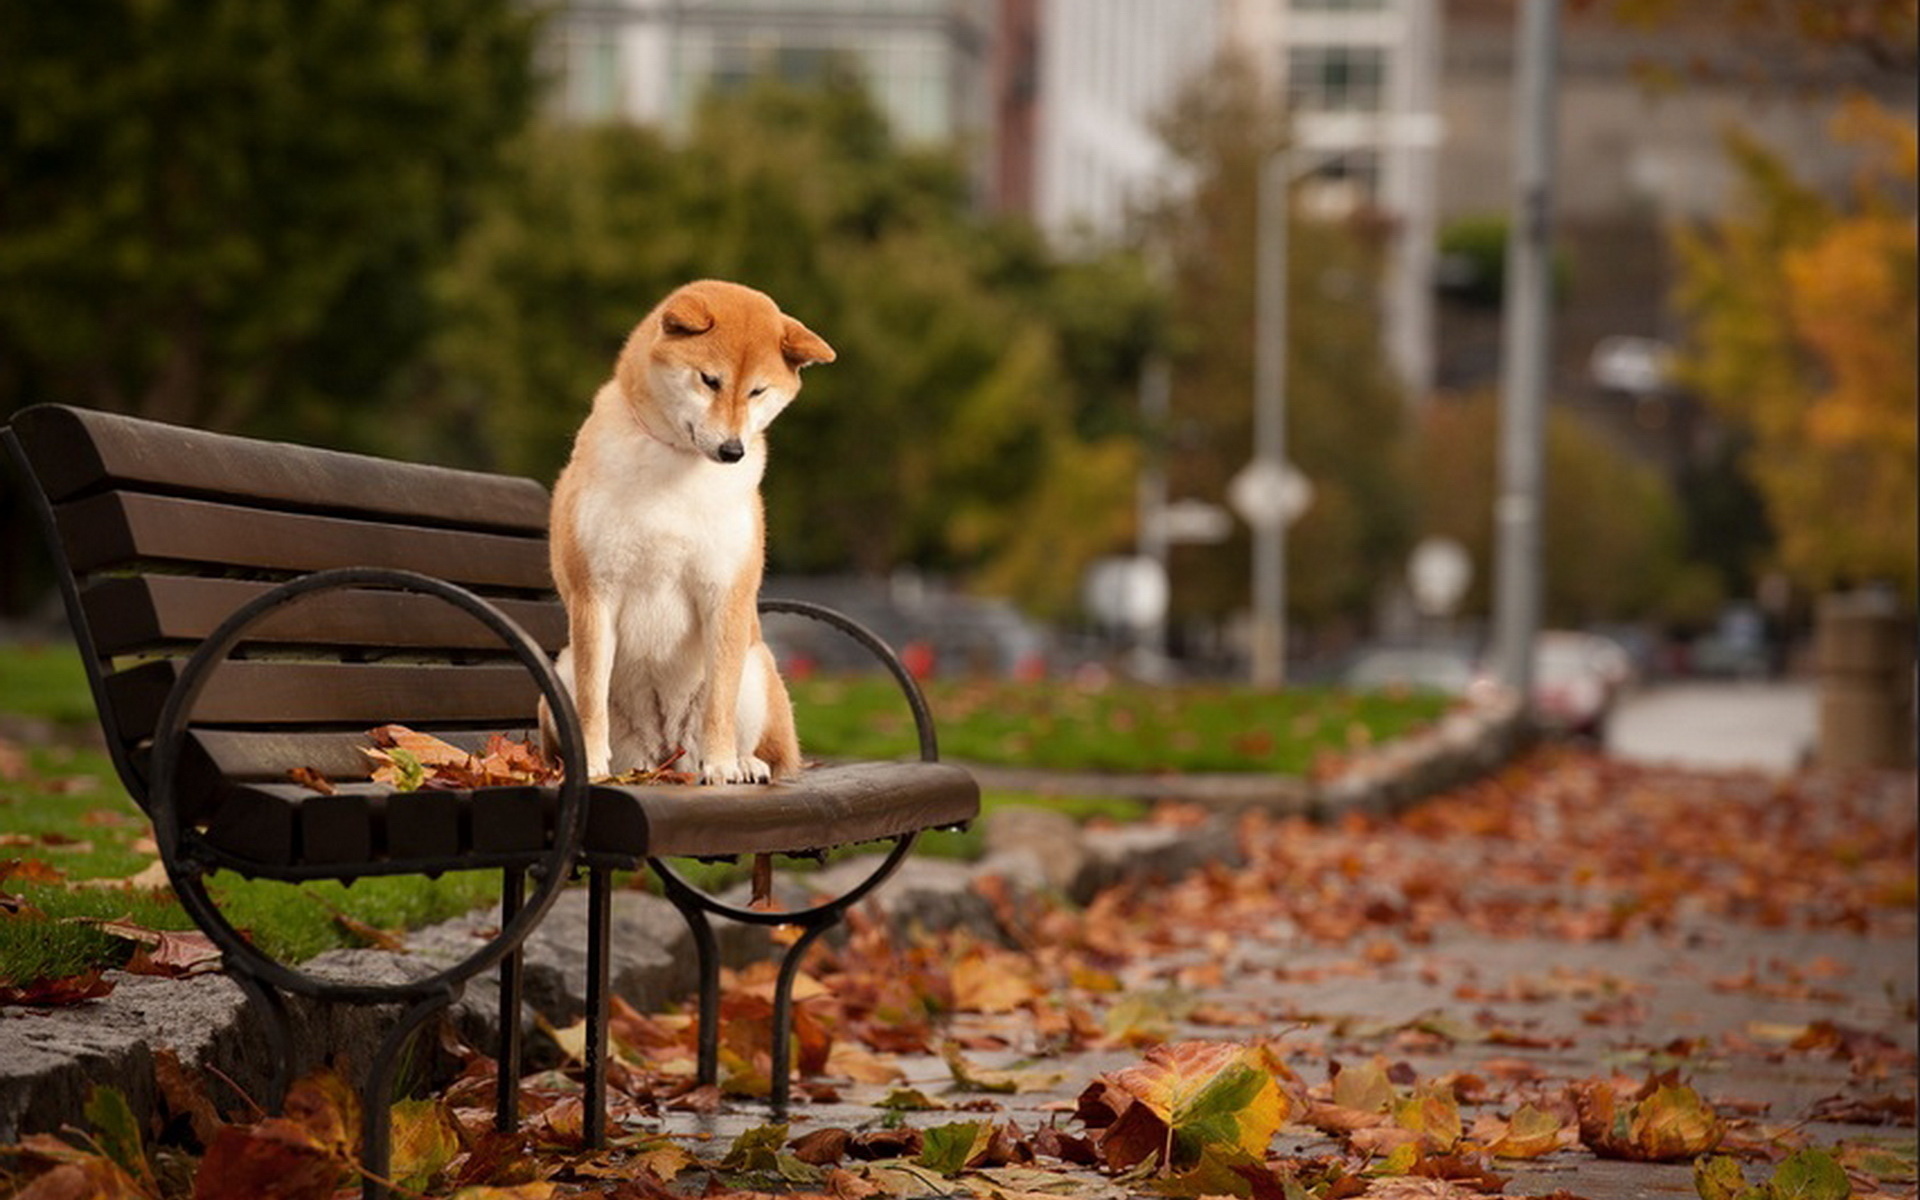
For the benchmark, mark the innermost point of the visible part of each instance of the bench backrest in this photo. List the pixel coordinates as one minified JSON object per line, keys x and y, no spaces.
{"x":163,"y":531}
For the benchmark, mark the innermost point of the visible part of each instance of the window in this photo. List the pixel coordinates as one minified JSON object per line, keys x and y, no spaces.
{"x":1337,"y":78}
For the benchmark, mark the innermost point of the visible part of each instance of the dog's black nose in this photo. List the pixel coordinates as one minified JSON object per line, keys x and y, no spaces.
{"x":730,"y":451}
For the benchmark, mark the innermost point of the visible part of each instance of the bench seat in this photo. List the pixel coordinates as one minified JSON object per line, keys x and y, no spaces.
{"x":291,"y":831}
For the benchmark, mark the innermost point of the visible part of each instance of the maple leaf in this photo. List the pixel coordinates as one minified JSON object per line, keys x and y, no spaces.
{"x":1666,"y":1123}
{"x":1529,"y":1133}
{"x":273,"y":1159}
{"x":425,"y":1141}
{"x":762,"y":1149}
{"x":1186,"y":1098}
{"x":170,"y":953}
{"x":947,"y":1149}
{"x":1807,"y":1174}
{"x":995,"y":982}
{"x":971,"y":1078}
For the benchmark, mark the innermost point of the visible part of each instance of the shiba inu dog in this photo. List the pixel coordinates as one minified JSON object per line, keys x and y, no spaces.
{"x":658,"y":541}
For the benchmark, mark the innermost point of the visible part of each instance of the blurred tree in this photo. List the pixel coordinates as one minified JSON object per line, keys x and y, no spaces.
{"x":964,"y":425}
{"x":1611,"y":532}
{"x":1345,"y":410}
{"x":1805,"y":328}
{"x":223,"y":212}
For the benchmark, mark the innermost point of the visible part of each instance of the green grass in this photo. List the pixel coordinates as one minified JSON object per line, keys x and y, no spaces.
{"x":45,"y":681}
{"x":1117,"y":727}
{"x":65,"y":820}
{"x":65,"y":815}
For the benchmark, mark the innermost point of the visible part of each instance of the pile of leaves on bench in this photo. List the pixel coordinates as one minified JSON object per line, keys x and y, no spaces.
{"x":408,"y":760}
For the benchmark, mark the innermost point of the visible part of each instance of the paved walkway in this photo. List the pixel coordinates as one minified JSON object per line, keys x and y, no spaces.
{"x":1579,"y":921}
{"x":1717,"y":725}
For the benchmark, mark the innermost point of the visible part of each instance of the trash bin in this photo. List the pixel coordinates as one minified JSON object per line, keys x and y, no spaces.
{"x":1863,"y":650}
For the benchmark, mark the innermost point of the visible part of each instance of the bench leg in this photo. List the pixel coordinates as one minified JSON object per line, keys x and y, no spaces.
{"x":507,"y":1096}
{"x":599,"y":931}
{"x":706,"y":958}
{"x":376,"y":1097}
{"x":783,"y":1013}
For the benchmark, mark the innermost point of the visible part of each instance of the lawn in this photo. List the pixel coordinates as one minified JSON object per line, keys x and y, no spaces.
{"x":1127,"y":728}
{"x":74,"y":839}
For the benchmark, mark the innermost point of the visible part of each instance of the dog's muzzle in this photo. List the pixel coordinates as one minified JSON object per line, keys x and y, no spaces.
{"x":730,"y":451}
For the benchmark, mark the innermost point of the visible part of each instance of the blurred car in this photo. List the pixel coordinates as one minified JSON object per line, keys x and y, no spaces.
{"x":1443,"y":669}
{"x":1577,"y":678}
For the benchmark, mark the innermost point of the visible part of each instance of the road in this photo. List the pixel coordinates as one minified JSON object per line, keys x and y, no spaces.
{"x":1716,"y":725}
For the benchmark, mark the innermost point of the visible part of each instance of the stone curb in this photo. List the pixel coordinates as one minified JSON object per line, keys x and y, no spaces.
{"x":50,"y":1059}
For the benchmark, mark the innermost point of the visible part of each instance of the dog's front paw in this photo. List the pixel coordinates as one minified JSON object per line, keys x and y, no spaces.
{"x":744,"y":769}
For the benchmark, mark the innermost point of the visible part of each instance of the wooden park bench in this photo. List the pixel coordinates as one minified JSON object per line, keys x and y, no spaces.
{"x":245,"y":608}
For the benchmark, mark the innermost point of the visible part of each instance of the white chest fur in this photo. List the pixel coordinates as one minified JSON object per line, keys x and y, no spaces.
{"x":664,"y":534}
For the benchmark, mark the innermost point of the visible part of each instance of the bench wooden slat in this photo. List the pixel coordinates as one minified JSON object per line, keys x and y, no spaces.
{"x":130,"y":614}
{"x":266,"y":755}
{"x":117,"y":529}
{"x":76,"y":451}
{"x":259,"y":693}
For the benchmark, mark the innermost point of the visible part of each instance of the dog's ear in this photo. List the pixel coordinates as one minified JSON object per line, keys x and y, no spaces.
{"x":685,"y":315}
{"x":802,"y":347}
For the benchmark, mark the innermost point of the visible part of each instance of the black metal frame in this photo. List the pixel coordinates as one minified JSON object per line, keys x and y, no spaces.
{"x":697,"y":908}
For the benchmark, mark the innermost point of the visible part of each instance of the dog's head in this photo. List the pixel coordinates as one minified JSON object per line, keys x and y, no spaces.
{"x":712,"y":365}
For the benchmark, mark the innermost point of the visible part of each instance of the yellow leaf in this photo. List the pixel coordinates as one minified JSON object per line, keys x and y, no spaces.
{"x":1432,"y":1113}
{"x":424,"y":1142}
{"x":572,"y":1040}
{"x":1529,"y":1133}
{"x":991,"y":984}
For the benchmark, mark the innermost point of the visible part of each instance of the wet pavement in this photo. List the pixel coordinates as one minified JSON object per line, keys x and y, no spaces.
{"x":1464,"y":955}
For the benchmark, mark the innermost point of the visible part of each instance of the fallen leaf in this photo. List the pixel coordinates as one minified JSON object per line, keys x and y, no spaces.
{"x":1670,"y":1123}
{"x":969,"y":1077}
{"x":56,"y":993}
{"x":1529,"y":1133}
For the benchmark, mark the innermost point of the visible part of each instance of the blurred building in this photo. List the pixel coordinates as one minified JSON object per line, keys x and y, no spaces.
{"x":1361,"y":79}
{"x":650,"y":61}
{"x":1361,"y":76}
{"x":1107,"y":72}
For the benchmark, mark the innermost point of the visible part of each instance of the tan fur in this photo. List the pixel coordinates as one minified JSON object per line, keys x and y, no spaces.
{"x":659,"y":540}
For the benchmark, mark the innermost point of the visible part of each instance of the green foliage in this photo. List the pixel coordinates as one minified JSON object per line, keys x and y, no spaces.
{"x":224,"y":213}
{"x":1611,"y":530}
{"x":1475,"y":250}
{"x":1344,"y":408}
{"x":968,"y":422}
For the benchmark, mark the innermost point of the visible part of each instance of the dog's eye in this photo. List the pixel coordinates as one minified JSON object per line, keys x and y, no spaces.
{"x":712,"y":381}
{"x":757,"y":391}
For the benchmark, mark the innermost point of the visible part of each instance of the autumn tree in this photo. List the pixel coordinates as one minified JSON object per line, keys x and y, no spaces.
{"x":1344,"y":406}
{"x":225,"y":213}
{"x":1805,"y":330}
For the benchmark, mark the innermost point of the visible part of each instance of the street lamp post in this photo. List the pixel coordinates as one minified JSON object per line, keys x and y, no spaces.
{"x":1527,"y":342}
{"x":1270,"y":419}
